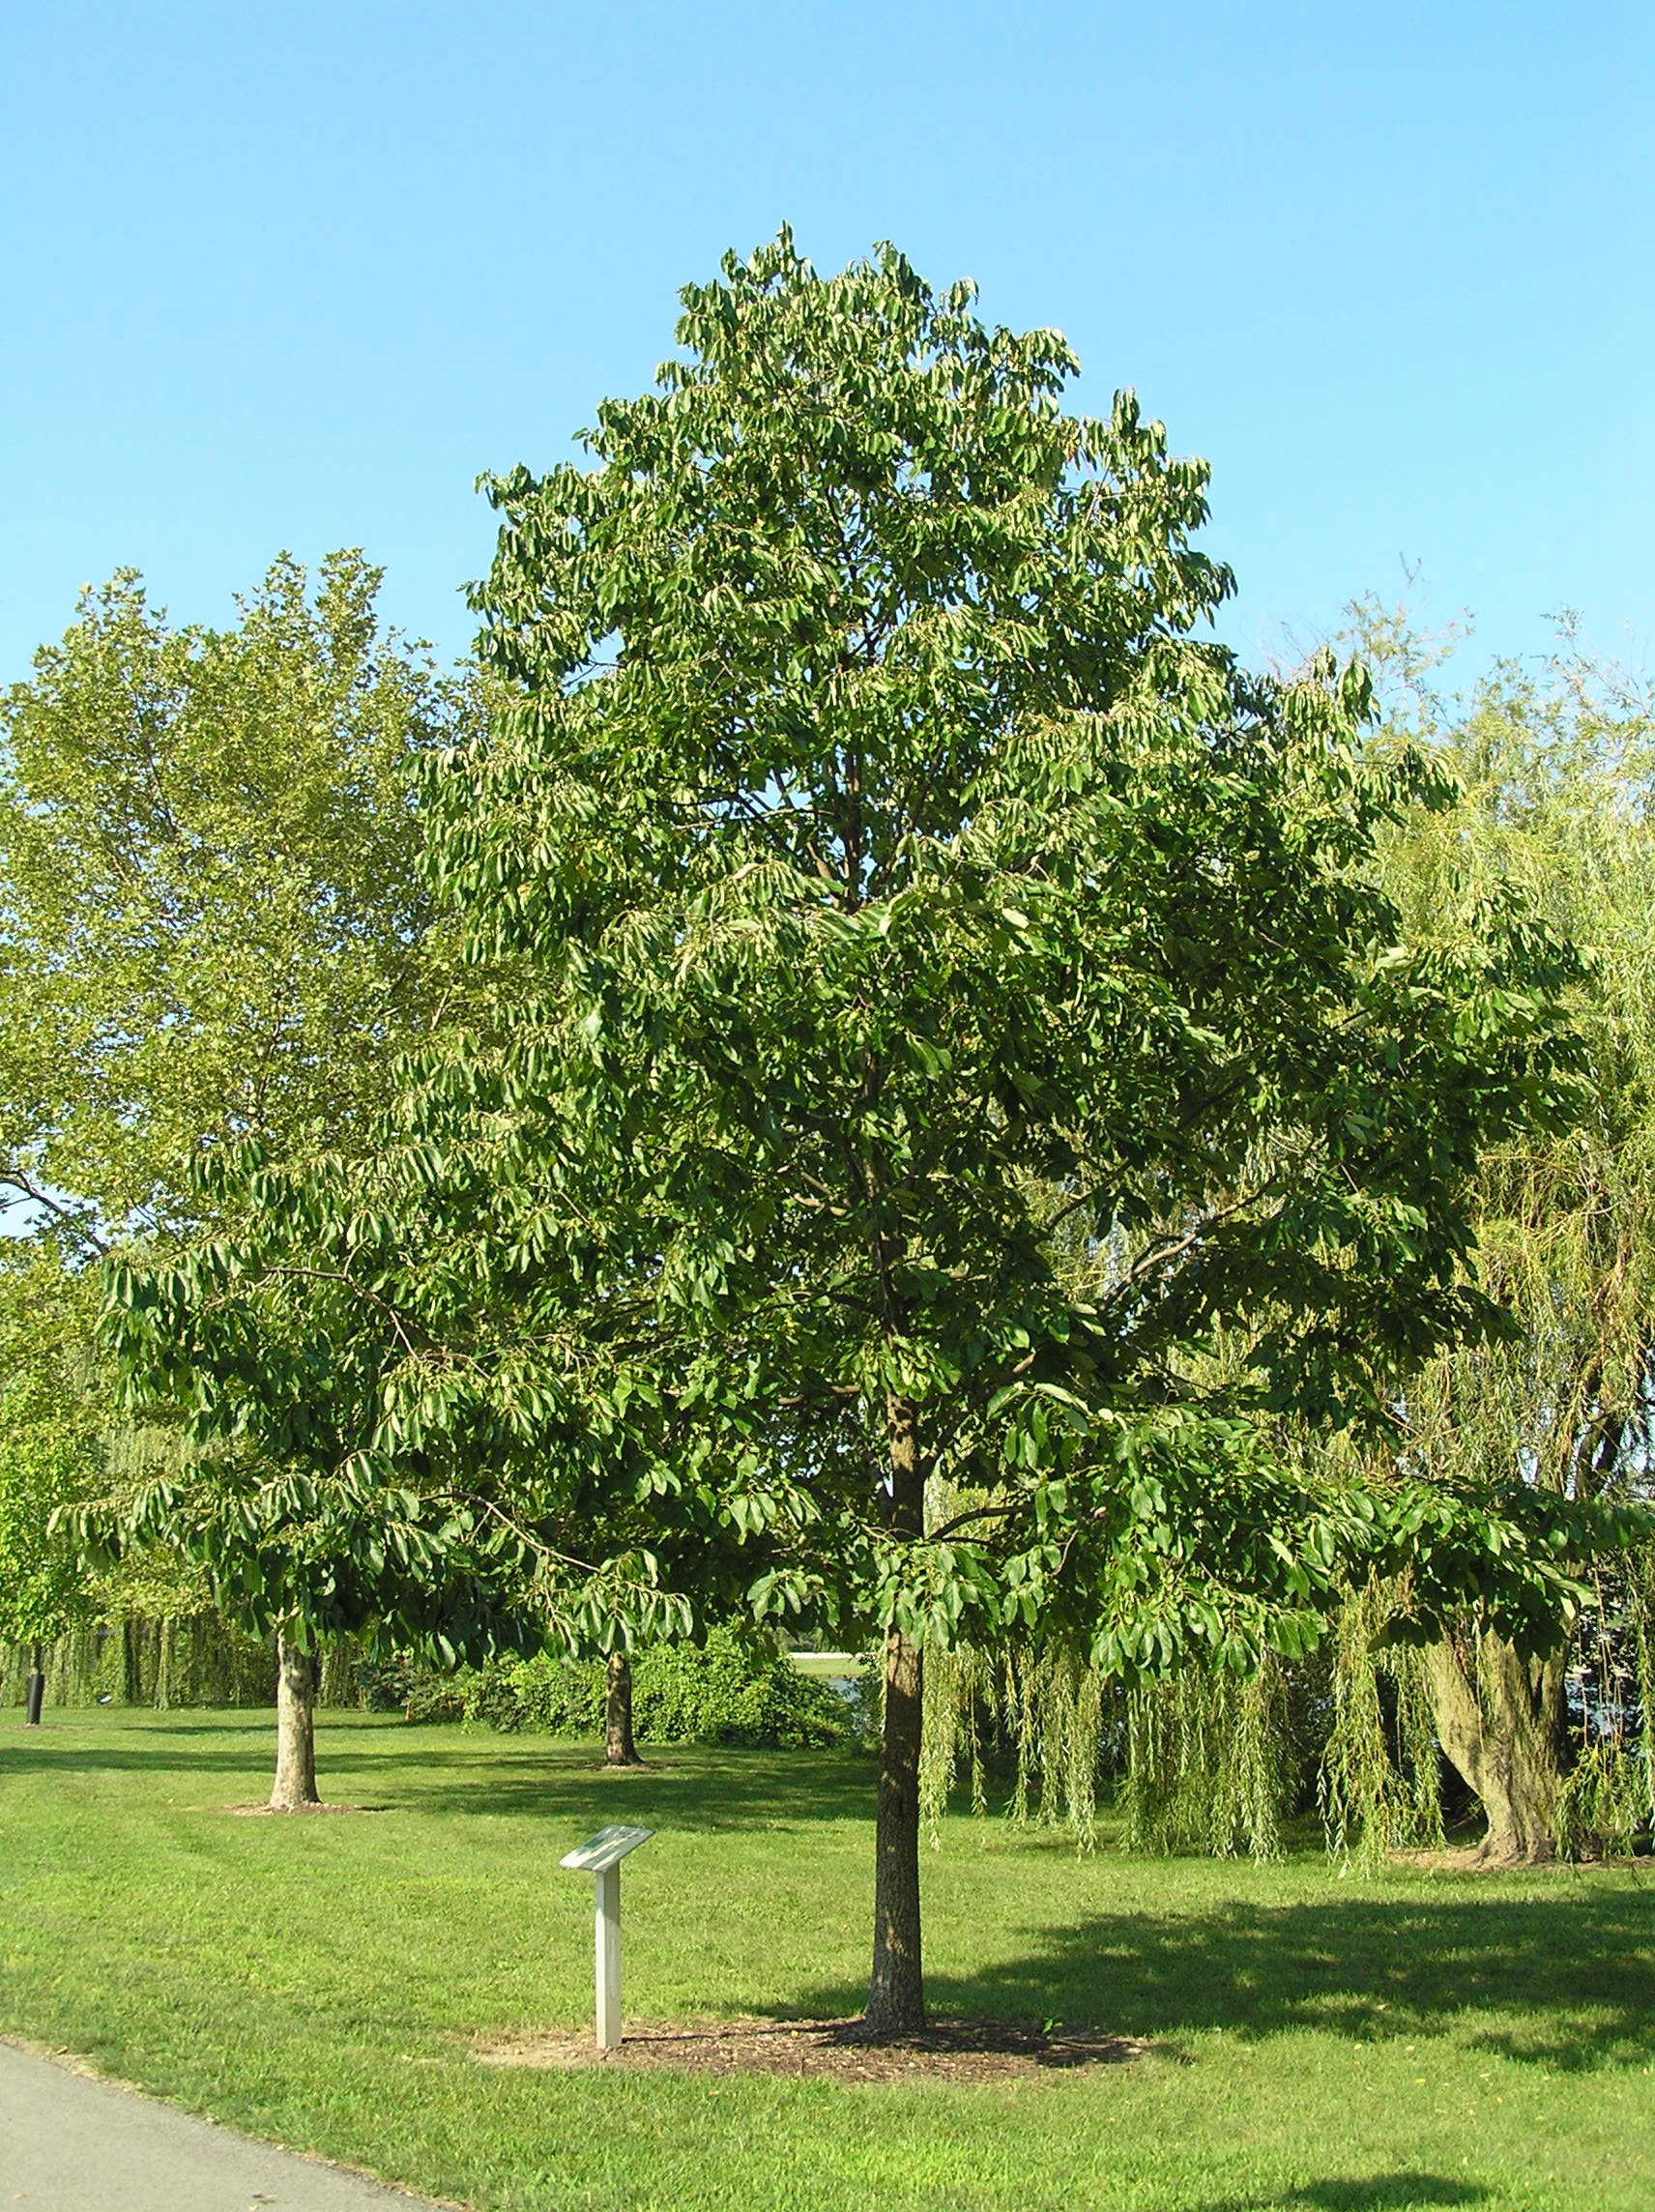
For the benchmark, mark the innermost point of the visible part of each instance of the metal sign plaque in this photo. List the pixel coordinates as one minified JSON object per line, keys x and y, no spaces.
{"x":607,"y":1849}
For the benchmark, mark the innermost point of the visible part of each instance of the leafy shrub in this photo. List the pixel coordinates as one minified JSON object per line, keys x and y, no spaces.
{"x":728,"y":1690}
{"x":733,"y":1692}
{"x":386,"y":1684}
{"x":545,"y":1695}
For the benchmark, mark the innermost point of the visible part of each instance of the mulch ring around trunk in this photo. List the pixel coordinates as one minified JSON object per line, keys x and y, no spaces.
{"x":262,"y":1811}
{"x":962,"y":2050}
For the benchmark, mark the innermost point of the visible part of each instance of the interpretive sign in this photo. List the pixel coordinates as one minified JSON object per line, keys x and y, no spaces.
{"x":600,"y":1856}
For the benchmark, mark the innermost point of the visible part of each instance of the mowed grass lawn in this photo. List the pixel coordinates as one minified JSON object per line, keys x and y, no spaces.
{"x":1426,"y":2039}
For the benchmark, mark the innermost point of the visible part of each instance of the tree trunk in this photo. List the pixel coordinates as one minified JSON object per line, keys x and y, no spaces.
{"x":1507,"y":1749}
{"x":35,"y":1689}
{"x":295,"y":1785}
{"x":897,"y":1988}
{"x":619,"y":1749}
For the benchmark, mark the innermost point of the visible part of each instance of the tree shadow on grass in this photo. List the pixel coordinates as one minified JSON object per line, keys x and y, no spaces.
{"x":680,"y":1785}
{"x":1565,"y":1979}
{"x":684,"y":1786}
{"x":1380,"y":2193}
{"x":45,"y":1758}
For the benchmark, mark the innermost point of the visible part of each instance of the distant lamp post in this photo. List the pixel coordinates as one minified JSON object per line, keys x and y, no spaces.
{"x":600,"y":1856}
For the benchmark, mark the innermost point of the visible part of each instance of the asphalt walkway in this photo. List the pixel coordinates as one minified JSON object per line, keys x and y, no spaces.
{"x":69,"y":2143}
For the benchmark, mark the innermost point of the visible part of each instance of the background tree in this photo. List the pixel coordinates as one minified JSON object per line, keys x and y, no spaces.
{"x":1551,"y":767}
{"x":211,"y":924}
{"x":301,"y":1531}
{"x":213,"y":933}
{"x":49,"y":1444}
{"x":1554,"y":768}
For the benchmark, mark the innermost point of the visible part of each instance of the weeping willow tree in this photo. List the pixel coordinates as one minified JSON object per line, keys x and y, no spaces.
{"x":1557,"y":775}
{"x":141,"y":1630}
{"x":1211,"y":1763}
{"x":1201,"y":1760}
{"x":1202,"y":1753}
{"x":1378,"y":1785}
{"x":1557,"y":770}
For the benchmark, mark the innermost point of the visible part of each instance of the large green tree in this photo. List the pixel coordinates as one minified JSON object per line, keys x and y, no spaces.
{"x":885,"y":849}
{"x":889,"y":886}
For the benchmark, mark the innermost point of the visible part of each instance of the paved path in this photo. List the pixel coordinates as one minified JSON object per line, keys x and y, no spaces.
{"x":71,"y":2144}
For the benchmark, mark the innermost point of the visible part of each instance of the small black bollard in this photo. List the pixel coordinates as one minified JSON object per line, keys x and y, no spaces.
{"x":33,"y":1691}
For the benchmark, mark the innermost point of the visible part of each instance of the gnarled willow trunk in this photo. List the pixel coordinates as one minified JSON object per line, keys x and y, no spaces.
{"x":897,"y":1988}
{"x":619,"y":1749}
{"x":1504,"y":1743}
{"x":294,"y":1784}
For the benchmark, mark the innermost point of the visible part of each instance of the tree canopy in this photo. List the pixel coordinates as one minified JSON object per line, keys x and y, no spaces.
{"x":934,"y":1007}
{"x":211,"y":924}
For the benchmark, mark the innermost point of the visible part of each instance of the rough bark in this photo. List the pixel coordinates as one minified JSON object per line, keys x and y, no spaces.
{"x":1505,"y":1744}
{"x":294,"y":1787}
{"x":619,"y":1749}
{"x":897,"y":1988}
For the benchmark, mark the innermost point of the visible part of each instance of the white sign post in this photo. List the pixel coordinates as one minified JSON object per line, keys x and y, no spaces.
{"x":600,"y":1856}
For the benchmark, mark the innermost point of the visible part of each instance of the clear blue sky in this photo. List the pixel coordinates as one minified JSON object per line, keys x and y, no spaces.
{"x":291,"y":277}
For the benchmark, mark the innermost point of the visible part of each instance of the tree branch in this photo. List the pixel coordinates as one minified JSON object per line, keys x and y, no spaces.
{"x":71,"y":1221}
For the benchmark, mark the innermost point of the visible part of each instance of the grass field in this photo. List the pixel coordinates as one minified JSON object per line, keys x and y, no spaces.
{"x":1425,"y":2040}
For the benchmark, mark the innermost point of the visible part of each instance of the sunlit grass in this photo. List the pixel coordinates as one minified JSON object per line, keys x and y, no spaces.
{"x":1420,"y":2041}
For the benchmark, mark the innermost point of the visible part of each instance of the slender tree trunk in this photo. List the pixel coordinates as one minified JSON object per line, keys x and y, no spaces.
{"x":1505,"y":1744}
{"x":897,"y":1988}
{"x":295,"y":1785}
{"x":619,"y":1749}
{"x":35,"y":1689}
